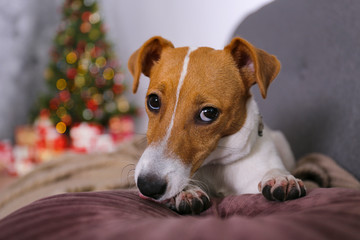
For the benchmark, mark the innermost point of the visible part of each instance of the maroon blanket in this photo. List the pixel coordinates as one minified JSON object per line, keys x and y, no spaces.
{"x":323,"y":214}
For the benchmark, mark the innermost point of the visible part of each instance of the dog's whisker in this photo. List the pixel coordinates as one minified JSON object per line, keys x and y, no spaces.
{"x":162,"y":169}
{"x":130,"y":168}
{"x":198,"y":183}
{"x":130,"y":178}
{"x":131,"y":173}
{"x":125,"y":168}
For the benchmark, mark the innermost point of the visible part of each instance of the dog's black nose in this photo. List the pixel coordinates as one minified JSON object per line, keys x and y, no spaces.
{"x":151,"y":186}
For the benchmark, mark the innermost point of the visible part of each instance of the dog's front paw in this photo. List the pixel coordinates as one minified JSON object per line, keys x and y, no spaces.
{"x":189,"y":201}
{"x":282,"y":188}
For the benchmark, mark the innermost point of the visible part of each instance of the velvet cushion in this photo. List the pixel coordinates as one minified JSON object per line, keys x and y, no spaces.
{"x":322,"y":214}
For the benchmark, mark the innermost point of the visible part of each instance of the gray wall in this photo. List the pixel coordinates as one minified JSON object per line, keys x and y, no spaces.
{"x":26,"y":32}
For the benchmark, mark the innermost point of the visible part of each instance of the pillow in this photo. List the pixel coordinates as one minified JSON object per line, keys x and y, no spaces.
{"x":323,"y":214}
{"x":315,"y":99}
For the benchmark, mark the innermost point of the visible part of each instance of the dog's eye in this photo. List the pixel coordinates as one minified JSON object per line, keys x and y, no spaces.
{"x":208,"y":114}
{"x":153,"y":102}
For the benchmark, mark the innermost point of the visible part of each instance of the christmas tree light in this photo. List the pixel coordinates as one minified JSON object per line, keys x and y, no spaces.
{"x":84,"y":78}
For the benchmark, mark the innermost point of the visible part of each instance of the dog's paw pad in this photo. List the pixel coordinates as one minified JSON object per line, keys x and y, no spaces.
{"x":184,"y":207}
{"x":282,"y":188}
{"x":266,"y":191}
{"x":279,"y":193}
{"x":189,"y":202}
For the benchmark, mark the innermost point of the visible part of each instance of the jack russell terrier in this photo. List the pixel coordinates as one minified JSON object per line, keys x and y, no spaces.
{"x":205,"y":134}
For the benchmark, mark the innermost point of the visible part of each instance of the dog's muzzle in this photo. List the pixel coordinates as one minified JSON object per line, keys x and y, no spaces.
{"x":151,"y":186}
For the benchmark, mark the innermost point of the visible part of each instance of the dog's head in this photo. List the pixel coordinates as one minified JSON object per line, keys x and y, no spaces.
{"x":195,"y":97}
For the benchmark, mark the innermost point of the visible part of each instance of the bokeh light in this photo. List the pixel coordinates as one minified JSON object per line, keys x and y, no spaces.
{"x":100,"y":62}
{"x":71,"y":58}
{"x":61,"y":127}
{"x":61,"y":84}
{"x":108,"y":73}
{"x":85,"y":27}
{"x":123,"y":104}
{"x":79,"y":81}
{"x":94,"y":18}
{"x":85,"y":16}
{"x":98,"y":98}
{"x":87,"y":114}
{"x":110,"y":107}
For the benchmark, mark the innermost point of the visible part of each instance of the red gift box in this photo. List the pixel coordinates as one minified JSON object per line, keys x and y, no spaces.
{"x":84,"y":137}
{"x":6,"y":155}
{"x":24,"y":160}
{"x":47,"y":138}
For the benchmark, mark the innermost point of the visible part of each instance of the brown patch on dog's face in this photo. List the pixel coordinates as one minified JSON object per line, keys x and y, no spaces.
{"x":218,"y":79}
{"x":212,"y":80}
{"x":164,"y":79}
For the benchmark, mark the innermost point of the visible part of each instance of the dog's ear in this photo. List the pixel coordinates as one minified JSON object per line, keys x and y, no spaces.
{"x":255,"y":65}
{"x":143,"y":59}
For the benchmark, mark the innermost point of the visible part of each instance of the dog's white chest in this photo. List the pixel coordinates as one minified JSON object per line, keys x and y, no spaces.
{"x":243,"y":174}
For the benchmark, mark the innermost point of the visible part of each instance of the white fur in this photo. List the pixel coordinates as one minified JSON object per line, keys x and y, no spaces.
{"x":242,"y":160}
{"x":234,"y":147}
{"x":153,"y":161}
{"x":157,"y":160}
{"x":180,"y":84}
{"x":236,"y":166}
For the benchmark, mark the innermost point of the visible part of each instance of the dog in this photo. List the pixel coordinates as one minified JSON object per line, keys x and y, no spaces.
{"x":205,"y":134}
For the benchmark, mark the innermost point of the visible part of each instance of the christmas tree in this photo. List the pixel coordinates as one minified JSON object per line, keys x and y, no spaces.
{"x":85,"y":81}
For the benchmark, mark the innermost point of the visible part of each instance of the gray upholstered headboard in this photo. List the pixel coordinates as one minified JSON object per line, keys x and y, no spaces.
{"x":315,"y":100}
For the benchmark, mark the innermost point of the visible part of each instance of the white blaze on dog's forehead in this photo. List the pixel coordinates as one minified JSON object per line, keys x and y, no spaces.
{"x":156,"y":158}
{"x":180,"y":84}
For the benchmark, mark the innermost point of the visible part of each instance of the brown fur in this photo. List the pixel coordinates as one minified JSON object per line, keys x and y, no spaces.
{"x":214,"y":77}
